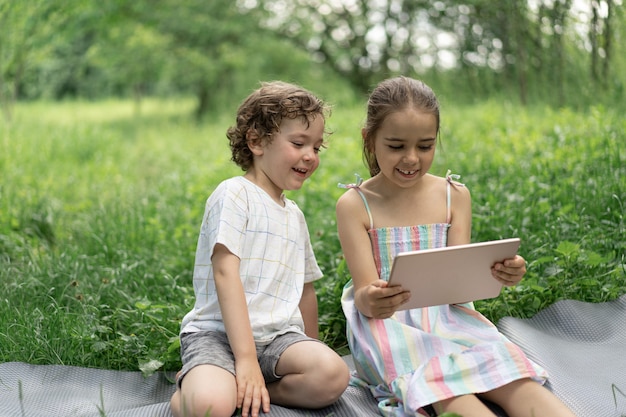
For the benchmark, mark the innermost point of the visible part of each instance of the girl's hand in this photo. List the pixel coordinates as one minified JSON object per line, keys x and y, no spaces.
{"x":381,"y":301}
{"x":252,"y":393}
{"x":509,"y":272}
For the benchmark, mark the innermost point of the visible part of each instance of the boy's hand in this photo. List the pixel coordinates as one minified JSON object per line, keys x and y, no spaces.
{"x":509,"y":272}
{"x":252,"y":393}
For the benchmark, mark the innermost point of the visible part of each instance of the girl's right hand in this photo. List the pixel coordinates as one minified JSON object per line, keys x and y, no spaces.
{"x":381,"y":301}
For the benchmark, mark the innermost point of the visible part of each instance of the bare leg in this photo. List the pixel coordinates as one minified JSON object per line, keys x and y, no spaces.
{"x":314,"y":376}
{"x":206,"y":390}
{"x":527,"y":398}
{"x":464,"y":405}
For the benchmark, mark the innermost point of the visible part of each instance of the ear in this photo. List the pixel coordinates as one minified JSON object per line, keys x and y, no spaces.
{"x":254,"y":142}
{"x":370,"y":145}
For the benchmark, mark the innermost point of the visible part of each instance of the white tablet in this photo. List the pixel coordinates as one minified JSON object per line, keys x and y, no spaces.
{"x":451,"y":275}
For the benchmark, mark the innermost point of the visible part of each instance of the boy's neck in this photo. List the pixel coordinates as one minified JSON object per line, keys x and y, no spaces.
{"x":266,"y":185}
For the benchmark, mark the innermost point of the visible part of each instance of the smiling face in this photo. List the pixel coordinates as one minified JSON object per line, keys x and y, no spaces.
{"x":404,"y":145}
{"x":395,"y":95}
{"x":289,"y":158}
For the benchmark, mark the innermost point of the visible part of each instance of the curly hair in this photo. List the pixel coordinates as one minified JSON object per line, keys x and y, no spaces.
{"x":391,"y":96}
{"x":262,"y":112}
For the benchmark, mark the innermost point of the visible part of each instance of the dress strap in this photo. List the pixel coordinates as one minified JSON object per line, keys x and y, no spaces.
{"x":450,"y":178}
{"x":356,"y":186}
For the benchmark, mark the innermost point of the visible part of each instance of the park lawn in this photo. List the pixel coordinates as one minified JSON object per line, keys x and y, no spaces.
{"x":100,"y":208}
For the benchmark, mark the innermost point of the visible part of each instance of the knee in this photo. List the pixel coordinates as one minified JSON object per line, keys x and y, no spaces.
{"x":201,"y":406}
{"x":331,"y":383}
{"x":206,"y":391}
{"x":175,"y":404}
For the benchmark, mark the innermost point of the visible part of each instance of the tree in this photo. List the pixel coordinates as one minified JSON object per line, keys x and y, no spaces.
{"x":204,"y":41}
{"x":600,"y":38}
{"x":362,"y":40}
{"x":490,"y":45}
{"x":25,"y":30}
{"x":211,"y":48}
{"x":132,"y":55}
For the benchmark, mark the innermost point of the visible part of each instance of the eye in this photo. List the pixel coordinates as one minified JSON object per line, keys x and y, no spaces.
{"x":319,"y":147}
{"x":426,"y":147}
{"x":396,"y":147}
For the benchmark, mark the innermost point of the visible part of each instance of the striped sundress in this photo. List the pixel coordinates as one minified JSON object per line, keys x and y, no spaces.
{"x":421,"y":356}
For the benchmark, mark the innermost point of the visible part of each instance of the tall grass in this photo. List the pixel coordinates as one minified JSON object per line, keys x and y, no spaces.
{"x":100,"y":208}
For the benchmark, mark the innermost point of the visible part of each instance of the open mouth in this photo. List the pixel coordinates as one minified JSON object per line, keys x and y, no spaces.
{"x":405,"y":172}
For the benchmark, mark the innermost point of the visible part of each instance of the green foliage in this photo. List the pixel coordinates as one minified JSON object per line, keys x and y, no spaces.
{"x":26,"y":30}
{"x":555,"y":179}
{"x":217,"y":51}
{"x":100,"y":210}
{"x":80,"y":48}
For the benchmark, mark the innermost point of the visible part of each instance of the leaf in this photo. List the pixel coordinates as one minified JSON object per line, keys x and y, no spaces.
{"x":542,"y":260}
{"x":593,"y":258}
{"x":150,"y":367}
{"x":587,"y":282}
{"x":99,"y":346}
{"x":568,"y":249}
{"x":174,"y":344}
{"x":537,"y":288}
{"x":143,"y":305}
{"x":553,"y":270}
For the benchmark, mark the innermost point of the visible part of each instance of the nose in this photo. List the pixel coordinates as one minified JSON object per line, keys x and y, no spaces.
{"x":308,"y":154}
{"x":411,"y":156}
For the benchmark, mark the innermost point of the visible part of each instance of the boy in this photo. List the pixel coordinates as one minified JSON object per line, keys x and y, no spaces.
{"x":252,"y":334}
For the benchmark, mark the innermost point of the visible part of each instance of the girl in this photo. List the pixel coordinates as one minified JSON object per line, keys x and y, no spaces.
{"x":430,"y":360}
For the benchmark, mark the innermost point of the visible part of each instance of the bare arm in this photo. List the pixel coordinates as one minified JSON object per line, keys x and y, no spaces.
{"x":251,"y":390}
{"x":308,"y":308}
{"x":510,"y":271}
{"x":372,"y":296}
{"x":461,"y":216}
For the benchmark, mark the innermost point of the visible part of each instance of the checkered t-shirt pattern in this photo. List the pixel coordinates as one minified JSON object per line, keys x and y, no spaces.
{"x":276,"y":259}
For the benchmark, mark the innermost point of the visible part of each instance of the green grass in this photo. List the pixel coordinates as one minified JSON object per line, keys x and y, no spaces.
{"x":100,"y":208}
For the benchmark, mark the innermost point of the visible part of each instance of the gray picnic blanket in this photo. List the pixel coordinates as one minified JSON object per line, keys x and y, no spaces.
{"x":68,"y":391}
{"x":582,"y":346}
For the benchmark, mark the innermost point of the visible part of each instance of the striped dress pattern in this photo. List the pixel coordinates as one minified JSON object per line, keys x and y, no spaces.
{"x":422,"y":356}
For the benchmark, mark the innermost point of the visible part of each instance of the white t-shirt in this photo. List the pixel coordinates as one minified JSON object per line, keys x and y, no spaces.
{"x":276,"y":259}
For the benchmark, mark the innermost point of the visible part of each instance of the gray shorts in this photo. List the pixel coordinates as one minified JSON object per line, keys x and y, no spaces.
{"x":213,"y":348}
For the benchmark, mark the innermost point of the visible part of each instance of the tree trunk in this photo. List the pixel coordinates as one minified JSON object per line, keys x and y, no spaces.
{"x":4,"y":101}
{"x":204,"y":99}
{"x":137,"y":98}
{"x":607,"y":44}
{"x":521,"y":61}
{"x":593,"y":39}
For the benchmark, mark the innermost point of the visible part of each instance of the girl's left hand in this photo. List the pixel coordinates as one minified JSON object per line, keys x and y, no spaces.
{"x":509,"y":272}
